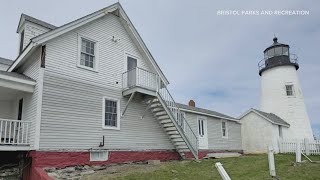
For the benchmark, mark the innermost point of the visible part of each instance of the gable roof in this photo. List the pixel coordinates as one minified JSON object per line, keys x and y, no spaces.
{"x":202,"y":111}
{"x":114,"y":8}
{"x":274,"y":119}
{"x":5,"y":61}
{"x":25,"y":17}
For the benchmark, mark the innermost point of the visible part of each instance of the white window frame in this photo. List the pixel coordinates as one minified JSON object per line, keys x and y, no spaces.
{"x":132,"y":55}
{"x":96,"y":53}
{"x":227,"y":134}
{"x":104,"y":113}
{"x":202,"y":118}
{"x":293,"y":91}
{"x":99,"y":159}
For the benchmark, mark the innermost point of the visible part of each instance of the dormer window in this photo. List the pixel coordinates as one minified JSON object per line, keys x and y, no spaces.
{"x":87,"y":54}
{"x":21,"y":41}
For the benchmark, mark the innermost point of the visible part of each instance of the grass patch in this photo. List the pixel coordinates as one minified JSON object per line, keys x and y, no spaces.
{"x":249,"y":167}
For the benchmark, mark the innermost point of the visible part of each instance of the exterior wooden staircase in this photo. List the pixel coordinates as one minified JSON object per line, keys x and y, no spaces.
{"x":172,"y":121}
{"x":163,"y":107}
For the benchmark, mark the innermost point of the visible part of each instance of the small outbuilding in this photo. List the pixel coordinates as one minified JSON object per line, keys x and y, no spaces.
{"x":261,"y":129}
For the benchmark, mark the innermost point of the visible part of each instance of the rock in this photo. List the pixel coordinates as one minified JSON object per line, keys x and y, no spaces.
{"x":50,"y":169}
{"x":79,"y":167}
{"x":154,"y":162}
{"x":174,"y":171}
{"x":68,"y":170}
{"x":52,"y":174}
{"x":87,"y":172}
{"x":99,"y":168}
{"x":86,"y":167}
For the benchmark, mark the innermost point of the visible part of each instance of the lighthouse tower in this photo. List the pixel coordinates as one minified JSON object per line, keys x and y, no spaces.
{"x":281,"y":92}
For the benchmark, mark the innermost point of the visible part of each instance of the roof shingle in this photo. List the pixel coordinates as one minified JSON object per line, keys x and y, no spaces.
{"x":274,"y":118}
{"x":206,"y":111}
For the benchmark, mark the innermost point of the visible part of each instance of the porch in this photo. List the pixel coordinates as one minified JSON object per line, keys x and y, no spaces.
{"x":15,"y":92}
{"x":141,"y":81}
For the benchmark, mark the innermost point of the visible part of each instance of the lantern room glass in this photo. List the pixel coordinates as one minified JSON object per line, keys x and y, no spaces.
{"x":277,"y":51}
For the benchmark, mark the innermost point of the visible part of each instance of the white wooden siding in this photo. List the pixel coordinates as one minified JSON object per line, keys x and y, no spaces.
{"x":258,"y":134}
{"x":72,"y":116}
{"x":6,"y":109}
{"x":32,"y":30}
{"x":62,"y":52}
{"x":215,"y":140}
{"x":31,"y":69}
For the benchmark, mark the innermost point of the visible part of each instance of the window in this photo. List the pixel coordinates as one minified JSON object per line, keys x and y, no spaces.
{"x":289,"y":90}
{"x":111,"y":113}
{"x":181,"y":116}
{"x":99,"y":155}
{"x":201,"y":127}
{"x":224,"y":129}
{"x":280,"y":131}
{"x":88,"y":54}
{"x":21,"y":41}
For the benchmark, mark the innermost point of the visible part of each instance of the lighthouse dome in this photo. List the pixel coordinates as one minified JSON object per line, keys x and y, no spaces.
{"x":277,"y":55}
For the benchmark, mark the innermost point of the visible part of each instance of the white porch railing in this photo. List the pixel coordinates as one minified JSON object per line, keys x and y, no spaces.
{"x":139,"y":77}
{"x":306,"y":146}
{"x":14,"y":132}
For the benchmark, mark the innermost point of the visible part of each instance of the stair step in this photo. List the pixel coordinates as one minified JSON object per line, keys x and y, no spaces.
{"x":157,"y":109}
{"x":181,"y":147}
{"x":160,"y":113}
{"x":165,"y":121}
{"x":151,"y":101}
{"x":183,"y":150}
{"x":155,"y":105}
{"x":168,"y":125}
{"x":173,"y":132}
{"x":163,"y":117}
{"x":170,"y":129}
{"x":180,"y":143}
{"x":177,"y":139}
{"x":174,"y":136}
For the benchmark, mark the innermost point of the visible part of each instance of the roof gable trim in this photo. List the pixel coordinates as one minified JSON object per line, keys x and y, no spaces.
{"x":206,"y":114}
{"x":261,"y":115}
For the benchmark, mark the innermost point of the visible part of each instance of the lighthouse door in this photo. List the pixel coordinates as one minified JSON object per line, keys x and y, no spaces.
{"x":202,"y":131}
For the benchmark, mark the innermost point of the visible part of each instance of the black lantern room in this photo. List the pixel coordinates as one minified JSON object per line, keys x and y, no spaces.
{"x":277,"y":55}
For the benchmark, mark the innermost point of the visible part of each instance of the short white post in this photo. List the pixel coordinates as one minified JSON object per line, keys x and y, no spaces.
{"x":298,"y":152}
{"x":272,"y":167}
{"x":306,"y":144}
{"x":222,"y":172}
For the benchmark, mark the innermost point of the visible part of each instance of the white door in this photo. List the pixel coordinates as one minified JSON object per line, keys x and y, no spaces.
{"x":131,"y":68}
{"x":203,"y":135}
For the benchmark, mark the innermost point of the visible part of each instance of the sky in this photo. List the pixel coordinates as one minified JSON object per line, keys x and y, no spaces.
{"x":209,"y":58}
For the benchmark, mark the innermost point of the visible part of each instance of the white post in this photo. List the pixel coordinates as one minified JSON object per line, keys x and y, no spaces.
{"x":272,"y":167}
{"x":306,"y":144}
{"x":298,"y":152}
{"x":222,"y":172}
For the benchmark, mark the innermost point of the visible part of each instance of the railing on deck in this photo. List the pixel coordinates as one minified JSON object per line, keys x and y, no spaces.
{"x":139,"y":77}
{"x":14,"y":132}
{"x":179,"y":118}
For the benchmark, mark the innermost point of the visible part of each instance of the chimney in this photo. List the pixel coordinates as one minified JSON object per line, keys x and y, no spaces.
{"x":192,"y":103}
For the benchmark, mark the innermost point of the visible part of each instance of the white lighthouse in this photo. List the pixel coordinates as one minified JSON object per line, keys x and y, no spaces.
{"x":281,"y":92}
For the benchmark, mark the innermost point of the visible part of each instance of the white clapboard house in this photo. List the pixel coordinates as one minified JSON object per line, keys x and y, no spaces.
{"x":91,"y":90}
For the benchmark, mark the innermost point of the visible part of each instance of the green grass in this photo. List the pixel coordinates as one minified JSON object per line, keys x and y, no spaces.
{"x":244,"y":167}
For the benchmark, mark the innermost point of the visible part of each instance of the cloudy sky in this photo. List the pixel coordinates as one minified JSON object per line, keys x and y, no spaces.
{"x":209,"y":58}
